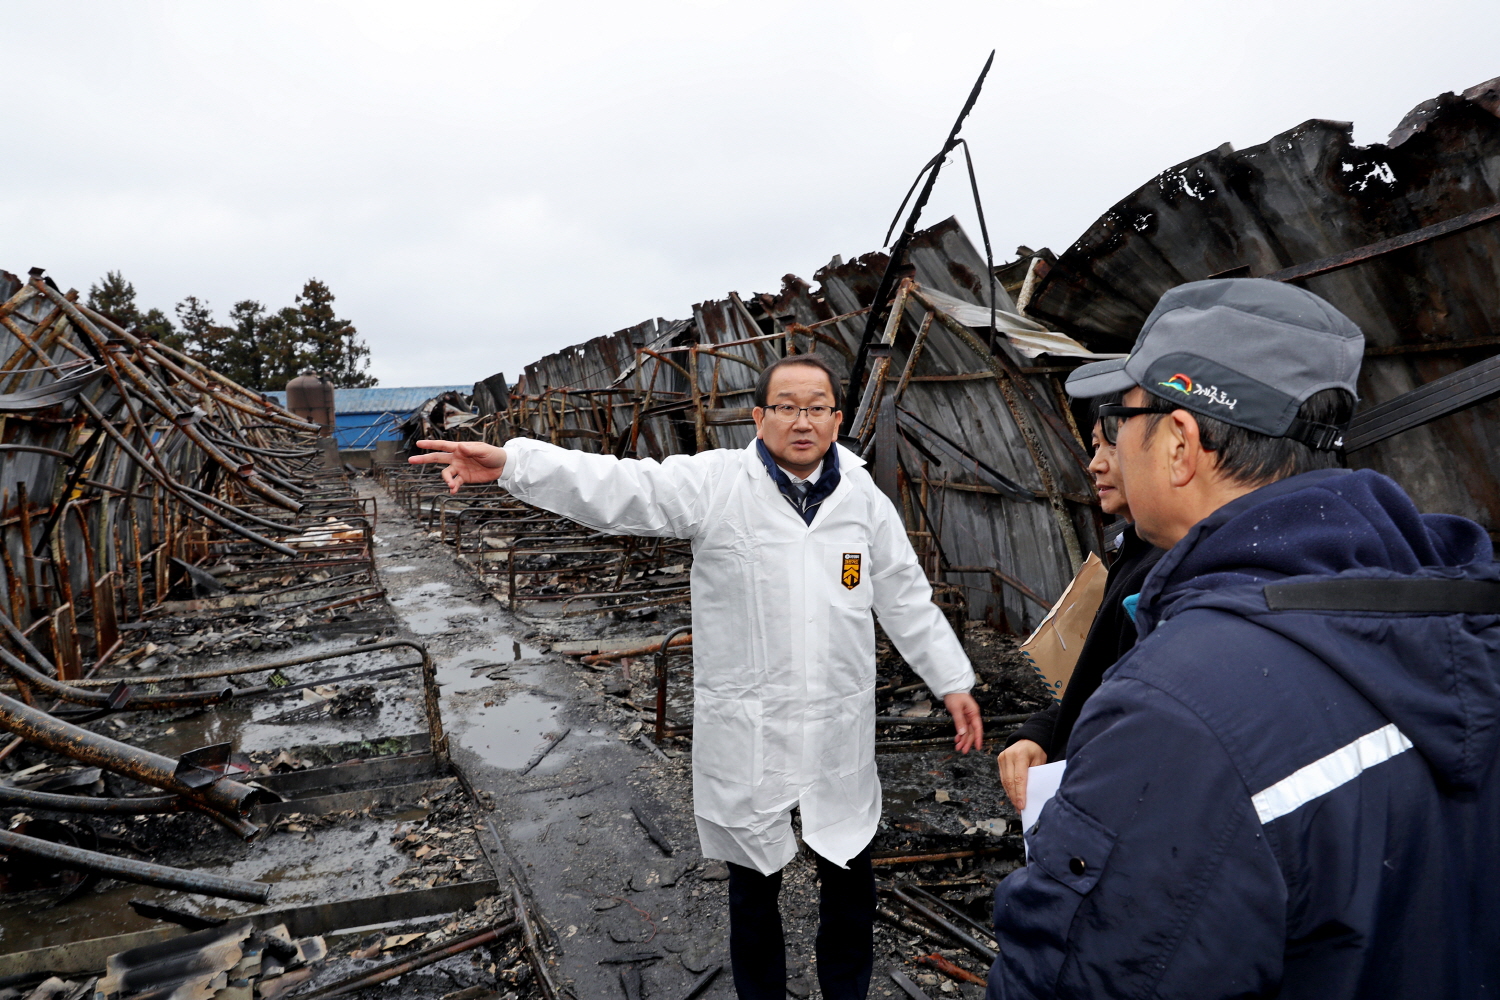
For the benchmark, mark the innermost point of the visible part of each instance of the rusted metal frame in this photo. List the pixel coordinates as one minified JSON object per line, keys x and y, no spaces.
{"x":13,"y":378}
{"x":700,"y":424}
{"x":731,"y":357}
{"x":1007,"y":384}
{"x":267,"y":411}
{"x":913,"y":357}
{"x":51,"y":330}
{"x":661,"y":358}
{"x":79,"y":460}
{"x":1001,"y":367}
{"x":536,"y":956}
{"x":28,"y":676}
{"x":1380,"y":248}
{"x":25,"y":294}
{"x":65,"y":617}
{"x":758,"y":342}
{"x":409,"y":963}
{"x":130,"y":870}
{"x":1005,"y":578}
{"x":145,"y":348}
{"x":34,"y":599}
{"x":898,"y":249}
{"x":223,"y":799}
{"x":546,"y":548}
{"x":458,"y":540}
{"x":166,"y":483}
{"x":662,"y":732}
{"x":244,"y":473}
{"x":863,"y":424}
{"x":764,"y":338}
{"x":948,"y":927}
{"x":1425,"y":348}
{"x":264,"y":522}
{"x":606,"y":594}
{"x":54,"y":802}
{"x":13,"y":585}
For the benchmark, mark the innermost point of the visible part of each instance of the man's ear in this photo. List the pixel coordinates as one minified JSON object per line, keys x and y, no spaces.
{"x":758,"y":414}
{"x":1186,"y":458}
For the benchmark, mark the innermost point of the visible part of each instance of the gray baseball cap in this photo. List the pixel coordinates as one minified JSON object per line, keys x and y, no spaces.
{"x":1242,"y":350}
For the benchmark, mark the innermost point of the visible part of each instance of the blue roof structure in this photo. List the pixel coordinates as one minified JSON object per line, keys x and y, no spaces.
{"x":401,"y":400}
{"x":364,"y":416}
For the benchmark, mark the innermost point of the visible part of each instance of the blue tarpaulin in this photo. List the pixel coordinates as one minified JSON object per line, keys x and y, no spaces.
{"x":364,"y":416}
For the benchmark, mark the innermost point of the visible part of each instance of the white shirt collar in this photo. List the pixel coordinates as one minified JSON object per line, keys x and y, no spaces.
{"x":816,"y":473}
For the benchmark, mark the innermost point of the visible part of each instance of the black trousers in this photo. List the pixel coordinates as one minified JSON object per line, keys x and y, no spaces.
{"x":845,"y":946}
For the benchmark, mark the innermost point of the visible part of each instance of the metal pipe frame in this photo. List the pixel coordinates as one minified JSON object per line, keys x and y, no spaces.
{"x":130,"y":870}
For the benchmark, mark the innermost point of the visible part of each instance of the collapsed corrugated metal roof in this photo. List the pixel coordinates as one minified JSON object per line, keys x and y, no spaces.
{"x":1428,"y":308}
{"x":988,"y":466}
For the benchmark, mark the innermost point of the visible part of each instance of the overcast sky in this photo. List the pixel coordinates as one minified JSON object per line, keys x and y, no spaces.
{"x":481,"y":184}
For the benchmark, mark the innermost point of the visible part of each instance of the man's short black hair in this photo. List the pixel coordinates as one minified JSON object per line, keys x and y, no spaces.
{"x":763,"y":384}
{"x":1253,"y":459}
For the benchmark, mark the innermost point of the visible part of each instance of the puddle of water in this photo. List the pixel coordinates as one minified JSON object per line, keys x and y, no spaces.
{"x":399,"y":569}
{"x":507,"y":734}
{"x":456,"y":673}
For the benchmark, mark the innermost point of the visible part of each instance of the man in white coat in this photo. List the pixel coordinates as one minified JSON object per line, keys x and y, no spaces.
{"x":793,"y":547}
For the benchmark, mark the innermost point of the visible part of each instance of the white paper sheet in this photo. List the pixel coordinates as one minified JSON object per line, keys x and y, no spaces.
{"x":1041,"y":785}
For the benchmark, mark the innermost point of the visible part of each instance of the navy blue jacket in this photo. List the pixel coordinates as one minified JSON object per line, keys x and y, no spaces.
{"x":1291,"y":804}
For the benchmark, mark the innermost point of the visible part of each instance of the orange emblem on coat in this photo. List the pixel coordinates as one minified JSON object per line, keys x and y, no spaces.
{"x":851,"y":570}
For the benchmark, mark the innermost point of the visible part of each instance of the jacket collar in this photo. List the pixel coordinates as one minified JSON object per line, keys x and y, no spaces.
{"x":1149,"y":609}
{"x":758,"y":473}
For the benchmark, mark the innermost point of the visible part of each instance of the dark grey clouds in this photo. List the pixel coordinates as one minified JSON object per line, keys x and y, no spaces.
{"x":483,"y":183}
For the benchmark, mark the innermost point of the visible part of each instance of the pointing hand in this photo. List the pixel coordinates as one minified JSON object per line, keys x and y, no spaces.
{"x":466,"y":461}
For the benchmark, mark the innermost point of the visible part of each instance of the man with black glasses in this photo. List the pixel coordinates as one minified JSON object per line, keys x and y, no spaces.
{"x":1288,"y":787}
{"x":794,"y":548}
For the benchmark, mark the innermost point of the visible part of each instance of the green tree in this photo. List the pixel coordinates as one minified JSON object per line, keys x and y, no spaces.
{"x":115,"y":298}
{"x":155,"y":323}
{"x":202,"y":338}
{"x":328,"y":345}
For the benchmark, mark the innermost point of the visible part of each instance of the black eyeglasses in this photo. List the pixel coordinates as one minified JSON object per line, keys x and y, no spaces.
{"x":1110,"y":415}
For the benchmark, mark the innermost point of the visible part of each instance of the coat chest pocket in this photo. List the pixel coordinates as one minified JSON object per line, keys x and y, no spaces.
{"x":1069,"y":846}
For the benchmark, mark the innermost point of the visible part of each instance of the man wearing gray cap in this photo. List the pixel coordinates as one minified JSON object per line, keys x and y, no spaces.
{"x":1288,"y":787}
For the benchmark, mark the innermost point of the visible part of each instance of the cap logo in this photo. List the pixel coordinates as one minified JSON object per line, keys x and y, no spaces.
{"x":1211,"y":393}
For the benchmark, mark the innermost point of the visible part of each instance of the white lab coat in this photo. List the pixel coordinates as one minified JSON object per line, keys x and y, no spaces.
{"x":783,"y":651}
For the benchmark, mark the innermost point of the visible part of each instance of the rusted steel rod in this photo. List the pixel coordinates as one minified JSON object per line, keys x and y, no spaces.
{"x":167,"y":483}
{"x":951,"y":969}
{"x":130,"y":870}
{"x":154,"y":348}
{"x":958,"y":914}
{"x":654,"y":647}
{"x":684,"y":632}
{"x":27,"y":799}
{"x":400,"y":967}
{"x":223,"y":799}
{"x":947,"y":926}
{"x":907,"y":859}
{"x":38,"y":449}
{"x":29,"y":676}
